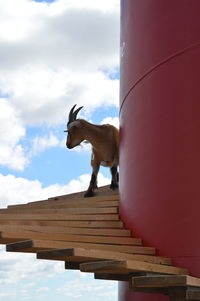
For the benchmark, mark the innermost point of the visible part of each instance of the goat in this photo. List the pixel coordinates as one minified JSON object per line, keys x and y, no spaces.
{"x":105,"y":146}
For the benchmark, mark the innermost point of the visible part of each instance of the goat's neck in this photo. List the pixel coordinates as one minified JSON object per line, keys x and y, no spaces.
{"x":91,"y":133}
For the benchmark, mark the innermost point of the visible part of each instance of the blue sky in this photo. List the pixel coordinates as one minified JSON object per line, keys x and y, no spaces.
{"x":48,"y":1}
{"x":54,"y":54}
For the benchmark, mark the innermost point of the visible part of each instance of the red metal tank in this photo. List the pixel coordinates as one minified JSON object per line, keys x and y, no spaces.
{"x":160,"y":129}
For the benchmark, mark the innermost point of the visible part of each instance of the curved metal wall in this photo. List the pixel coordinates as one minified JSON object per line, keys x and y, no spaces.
{"x":160,"y":129}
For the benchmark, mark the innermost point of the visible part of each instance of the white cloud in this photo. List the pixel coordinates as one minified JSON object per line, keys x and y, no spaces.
{"x":51,"y":56}
{"x":66,"y":33}
{"x":15,"y":267}
{"x":29,"y":191}
{"x":80,"y":286}
{"x":7,"y":294}
{"x":57,"y":92}
{"x":16,"y":19}
{"x":11,"y":132}
{"x":103,"y":6}
{"x":84,"y":147}
{"x":111,"y":120}
{"x":39,"y":144}
{"x":28,"y":285}
{"x":42,"y":289}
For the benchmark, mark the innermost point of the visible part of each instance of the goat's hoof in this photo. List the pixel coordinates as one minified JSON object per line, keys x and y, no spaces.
{"x":89,"y":194}
{"x":114,"y":186}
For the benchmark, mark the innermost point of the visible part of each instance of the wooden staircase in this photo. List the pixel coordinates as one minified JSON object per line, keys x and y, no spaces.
{"x":88,"y":235}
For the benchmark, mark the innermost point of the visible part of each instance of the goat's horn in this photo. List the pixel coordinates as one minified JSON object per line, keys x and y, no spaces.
{"x":72,"y":114}
{"x":76,"y":112}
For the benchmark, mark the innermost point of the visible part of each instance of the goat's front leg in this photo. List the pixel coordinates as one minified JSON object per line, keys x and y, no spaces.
{"x":93,"y":181}
{"x":115,"y":177}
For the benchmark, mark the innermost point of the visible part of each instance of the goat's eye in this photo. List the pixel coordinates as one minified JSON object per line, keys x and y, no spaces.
{"x":73,"y":130}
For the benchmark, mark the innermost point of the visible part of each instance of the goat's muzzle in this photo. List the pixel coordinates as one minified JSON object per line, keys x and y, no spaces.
{"x":68,"y":146}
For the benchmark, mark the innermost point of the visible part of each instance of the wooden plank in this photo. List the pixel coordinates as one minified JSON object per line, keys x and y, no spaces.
{"x":64,"y":199}
{"x":9,"y":240}
{"x":193,"y":281}
{"x":21,"y":205}
{"x":165,"y":281}
{"x":72,"y":265}
{"x":115,"y":277}
{"x":103,"y":266}
{"x":38,"y":245}
{"x":71,"y":238}
{"x":67,"y":230}
{"x":177,"y":294}
{"x":74,"y":204}
{"x":75,"y":224}
{"x":59,"y":216}
{"x":192,"y":293}
{"x":101,"y":192}
{"x":129,"y":266}
{"x":150,"y":290}
{"x":69,"y":255}
{"x":23,"y":245}
{"x":73,"y":211}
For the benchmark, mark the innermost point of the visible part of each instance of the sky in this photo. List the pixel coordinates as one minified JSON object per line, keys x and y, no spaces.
{"x":53,"y":54}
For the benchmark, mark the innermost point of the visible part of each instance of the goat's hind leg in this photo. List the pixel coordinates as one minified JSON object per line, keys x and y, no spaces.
{"x":115,"y":178}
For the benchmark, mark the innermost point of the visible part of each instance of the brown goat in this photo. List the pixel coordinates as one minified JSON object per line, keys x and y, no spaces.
{"x":105,"y":146}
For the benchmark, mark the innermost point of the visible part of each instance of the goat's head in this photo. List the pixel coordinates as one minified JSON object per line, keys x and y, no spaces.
{"x":74,"y":136}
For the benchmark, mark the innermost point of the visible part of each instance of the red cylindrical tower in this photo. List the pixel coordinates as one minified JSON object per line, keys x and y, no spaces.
{"x":160,"y":129}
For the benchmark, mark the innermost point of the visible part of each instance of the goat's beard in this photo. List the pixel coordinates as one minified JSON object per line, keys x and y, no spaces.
{"x":84,"y":146}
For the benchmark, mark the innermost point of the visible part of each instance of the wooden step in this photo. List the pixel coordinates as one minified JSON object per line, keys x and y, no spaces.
{"x":81,"y":255}
{"x":69,"y":238}
{"x":72,"y":204}
{"x":115,"y":277}
{"x":68,"y":211}
{"x":66,"y":230}
{"x":178,"y":287}
{"x":100,"y":193}
{"x":87,"y":234}
{"x":72,"y":265}
{"x":76,"y":224}
{"x":103,"y":194}
{"x":164,"y":281}
{"x":129,"y":266}
{"x":65,"y":200}
{"x":35,"y":246}
{"x":59,"y":216}
{"x":192,"y":294}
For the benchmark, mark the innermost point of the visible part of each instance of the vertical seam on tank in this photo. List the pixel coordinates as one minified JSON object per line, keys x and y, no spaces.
{"x":178,"y":53}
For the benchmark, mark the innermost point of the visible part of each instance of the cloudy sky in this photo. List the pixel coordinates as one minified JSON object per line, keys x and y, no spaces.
{"x":53,"y":54}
